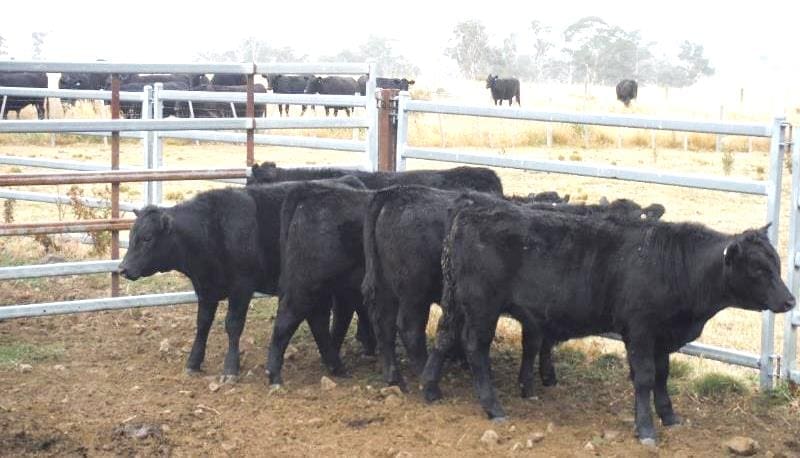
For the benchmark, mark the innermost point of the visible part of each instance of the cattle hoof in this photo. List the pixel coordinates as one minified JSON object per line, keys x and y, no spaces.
{"x":341,"y":372}
{"x":432,"y":393}
{"x":549,"y":381}
{"x":193,"y":372}
{"x":648,"y":442}
{"x":526,"y":391}
{"x":671,"y":420}
{"x":228,"y":378}
{"x":500,"y":419}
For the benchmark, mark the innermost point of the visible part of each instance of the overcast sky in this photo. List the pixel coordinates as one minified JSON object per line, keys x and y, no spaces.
{"x":748,"y":40}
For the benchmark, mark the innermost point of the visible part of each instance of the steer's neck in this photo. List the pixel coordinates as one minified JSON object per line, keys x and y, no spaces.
{"x":708,"y":280}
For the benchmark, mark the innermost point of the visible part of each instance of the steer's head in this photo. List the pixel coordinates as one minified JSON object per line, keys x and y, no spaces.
{"x":753,"y":273}
{"x":267,"y":172}
{"x":490,"y":81}
{"x":151,"y":245}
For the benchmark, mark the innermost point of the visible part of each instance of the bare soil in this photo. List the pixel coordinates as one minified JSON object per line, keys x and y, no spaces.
{"x":112,"y":383}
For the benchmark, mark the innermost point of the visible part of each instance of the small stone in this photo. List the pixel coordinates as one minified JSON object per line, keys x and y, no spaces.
{"x":512,"y":428}
{"x":742,"y":446}
{"x":198,"y":412}
{"x":136,"y":388}
{"x":391,"y":391}
{"x":610,"y":435}
{"x":163,"y":347}
{"x":25,"y":368}
{"x":315,"y":422}
{"x":550,"y":427}
{"x":517,"y":446}
{"x":165,"y":428}
{"x":187,"y":393}
{"x":59,"y":367}
{"x":228,"y":446}
{"x":393,"y":401}
{"x":213,"y":387}
{"x":490,"y":437}
{"x":391,"y":452}
{"x":589,"y":447}
{"x":536,"y":437}
{"x":403,"y":455}
{"x":327,"y":384}
{"x":291,"y":353}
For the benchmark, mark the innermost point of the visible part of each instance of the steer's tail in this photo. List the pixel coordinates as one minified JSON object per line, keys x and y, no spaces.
{"x":373,"y":277}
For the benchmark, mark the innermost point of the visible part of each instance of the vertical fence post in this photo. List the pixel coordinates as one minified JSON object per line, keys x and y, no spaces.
{"x":773,"y":216}
{"x":372,"y":119}
{"x":719,"y":137}
{"x":147,"y":144}
{"x":548,"y":132}
{"x":156,"y":149}
{"x":793,"y":268}
{"x":402,"y":130}
{"x":387,"y":128}
{"x":250,"y":114}
{"x":3,"y":108}
{"x":115,"y":185}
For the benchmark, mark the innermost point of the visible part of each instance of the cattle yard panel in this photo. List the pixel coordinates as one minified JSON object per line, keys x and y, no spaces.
{"x":789,"y":368}
{"x":148,"y":129}
{"x":776,"y":131}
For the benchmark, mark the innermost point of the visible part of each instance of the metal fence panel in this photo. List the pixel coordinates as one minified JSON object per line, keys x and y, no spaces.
{"x":72,"y":125}
{"x":119,"y":67}
{"x":642,"y":122}
{"x":68,"y":93}
{"x":792,"y":318}
{"x":58,"y":269}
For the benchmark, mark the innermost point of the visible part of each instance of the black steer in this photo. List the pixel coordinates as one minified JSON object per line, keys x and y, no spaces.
{"x":288,"y":84}
{"x":654,"y":283}
{"x":333,"y":85}
{"x":503,"y":89}
{"x":23,"y":79}
{"x":404,"y":230}
{"x":227,"y":242}
{"x":384,"y":83}
{"x":626,"y":91}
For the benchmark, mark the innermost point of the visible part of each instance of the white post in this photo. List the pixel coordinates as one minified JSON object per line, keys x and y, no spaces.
{"x":402,"y":130}
{"x":147,"y":144}
{"x":372,"y":119}
{"x":790,"y":320}
{"x":156,"y":149}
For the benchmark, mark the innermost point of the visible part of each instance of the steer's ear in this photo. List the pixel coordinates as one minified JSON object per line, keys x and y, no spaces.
{"x":166,"y":223}
{"x":731,"y":252}
{"x":136,"y":212}
{"x":766,"y":227}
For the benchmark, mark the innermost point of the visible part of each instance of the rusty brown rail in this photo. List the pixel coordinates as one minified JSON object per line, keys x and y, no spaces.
{"x":58,"y":227}
{"x":115,"y":176}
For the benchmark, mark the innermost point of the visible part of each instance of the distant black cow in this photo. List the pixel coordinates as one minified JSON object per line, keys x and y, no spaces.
{"x":626,"y":91}
{"x":227,"y":242}
{"x":223,"y":109}
{"x":133,"y":109}
{"x":333,"y":85}
{"x":503,"y":89}
{"x":474,"y":178}
{"x":83,"y":81}
{"x":228,"y":79}
{"x":23,"y":79}
{"x":403,"y":232}
{"x":654,"y":283}
{"x":384,"y":83}
{"x":288,"y":84}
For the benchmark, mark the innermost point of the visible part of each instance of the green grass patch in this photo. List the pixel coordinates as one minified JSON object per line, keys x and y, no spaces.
{"x":718,"y":386}
{"x":679,"y":369}
{"x":13,"y":353}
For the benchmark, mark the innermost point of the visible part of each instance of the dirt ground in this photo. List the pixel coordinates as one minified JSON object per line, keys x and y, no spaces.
{"x":112,"y":383}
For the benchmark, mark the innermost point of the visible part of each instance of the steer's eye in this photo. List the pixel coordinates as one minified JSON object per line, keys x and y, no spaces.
{"x":147,"y":238}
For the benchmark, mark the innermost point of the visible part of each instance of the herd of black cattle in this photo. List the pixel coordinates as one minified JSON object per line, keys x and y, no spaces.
{"x":386,"y":245}
{"x":277,"y":83}
{"x":500,"y":88}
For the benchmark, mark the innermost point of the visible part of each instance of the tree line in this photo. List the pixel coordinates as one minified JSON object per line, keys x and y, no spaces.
{"x":589,"y":50}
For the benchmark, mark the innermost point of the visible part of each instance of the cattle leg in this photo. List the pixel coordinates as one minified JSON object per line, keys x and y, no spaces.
{"x":286,"y":323}
{"x":205,"y":317}
{"x":383,"y":314}
{"x":547,"y":372}
{"x":238,"y":302}
{"x":643,"y":371}
{"x":661,"y":395}
{"x":447,"y":332}
{"x":412,"y":321}
{"x":531,"y":343}
{"x":303,"y":110}
{"x":478,"y":333}
{"x":318,"y":322}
